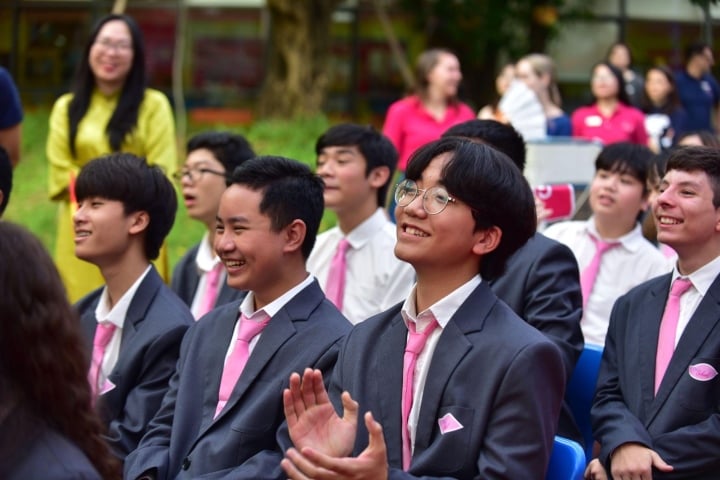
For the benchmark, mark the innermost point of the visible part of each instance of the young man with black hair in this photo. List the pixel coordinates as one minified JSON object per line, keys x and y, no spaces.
{"x":454,"y":384}
{"x":220,"y":417}
{"x":134,"y":323}
{"x":354,"y":261}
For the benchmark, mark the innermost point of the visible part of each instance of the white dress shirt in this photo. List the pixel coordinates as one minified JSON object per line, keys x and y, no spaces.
{"x":115,"y":315}
{"x":205,"y":260}
{"x":246,"y":308}
{"x":631,"y":263}
{"x":701,"y":280}
{"x":442,"y":311}
{"x":376,"y":279}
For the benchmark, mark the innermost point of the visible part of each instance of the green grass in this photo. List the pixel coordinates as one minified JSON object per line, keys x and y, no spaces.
{"x":29,"y":204}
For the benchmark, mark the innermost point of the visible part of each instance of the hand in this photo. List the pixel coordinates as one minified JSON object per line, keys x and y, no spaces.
{"x":312,"y":420}
{"x":632,"y":461}
{"x":371,"y":464}
{"x":595,"y":471}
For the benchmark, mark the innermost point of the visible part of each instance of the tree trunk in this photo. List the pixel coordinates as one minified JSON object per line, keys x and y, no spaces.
{"x":296,"y":81}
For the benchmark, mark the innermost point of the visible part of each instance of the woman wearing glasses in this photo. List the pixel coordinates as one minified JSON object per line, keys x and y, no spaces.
{"x":109,"y":109}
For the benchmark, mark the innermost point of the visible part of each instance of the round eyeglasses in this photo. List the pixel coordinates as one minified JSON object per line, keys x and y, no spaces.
{"x":196,"y":174}
{"x":434,"y":199}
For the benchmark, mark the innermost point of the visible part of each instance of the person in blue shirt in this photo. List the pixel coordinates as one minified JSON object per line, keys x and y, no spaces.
{"x":11,"y":115}
{"x":699,"y":91}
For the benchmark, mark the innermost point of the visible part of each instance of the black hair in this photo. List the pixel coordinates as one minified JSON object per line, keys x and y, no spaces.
{"x":707,"y":138}
{"x":695,"y":48}
{"x":612,"y":47}
{"x":626,"y":158}
{"x":125,"y":116}
{"x":375,"y":147}
{"x":698,"y":159}
{"x":291,"y":191}
{"x":500,"y":136}
{"x":672,"y":102}
{"x":230,"y":149}
{"x":140,"y":187}
{"x":491,"y":185}
{"x":622,"y":95}
{"x":6,"y":178}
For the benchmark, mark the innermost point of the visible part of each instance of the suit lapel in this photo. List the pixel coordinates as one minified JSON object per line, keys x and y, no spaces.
{"x":451,"y":348}
{"x":694,"y":336}
{"x":278,"y":331}
{"x":652,"y":310}
{"x":389,"y":372}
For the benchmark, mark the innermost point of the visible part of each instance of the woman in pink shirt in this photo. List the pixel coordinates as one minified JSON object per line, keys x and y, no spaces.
{"x":610,"y":118}
{"x":434,"y":107}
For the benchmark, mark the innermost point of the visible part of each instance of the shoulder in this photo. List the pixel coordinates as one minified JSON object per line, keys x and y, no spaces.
{"x":404,"y":105}
{"x":173,"y":309}
{"x":89,"y":301}
{"x":62,"y":103}
{"x":155,"y":97}
{"x":561,"y":230}
{"x":189,"y":257}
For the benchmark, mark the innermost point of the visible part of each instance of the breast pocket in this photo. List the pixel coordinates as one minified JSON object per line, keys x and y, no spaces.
{"x":699,"y":388}
{"x":451,"y":440}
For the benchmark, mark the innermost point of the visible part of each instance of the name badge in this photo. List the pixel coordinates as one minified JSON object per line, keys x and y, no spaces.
{"x":593,"y":121}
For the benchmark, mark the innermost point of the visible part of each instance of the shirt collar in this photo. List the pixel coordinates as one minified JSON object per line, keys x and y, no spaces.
{"x":632,"y":241}
{"x":206,"y":259}
{"x":116,"y":315}
{"x":248,"y":303}
{"x":442,"y":310}
{"x":364,"y":232}
{"x":703,"y":277}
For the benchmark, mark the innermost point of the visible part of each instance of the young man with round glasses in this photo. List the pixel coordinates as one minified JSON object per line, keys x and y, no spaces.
{"x":199,"y":277}
{"x":452,"y":383}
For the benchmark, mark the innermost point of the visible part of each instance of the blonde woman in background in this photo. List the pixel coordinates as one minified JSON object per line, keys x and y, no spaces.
{"x":538,"y":73}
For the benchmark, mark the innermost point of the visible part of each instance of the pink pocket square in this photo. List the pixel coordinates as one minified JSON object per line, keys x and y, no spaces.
{"x":702,"y":372}
{"x":107,"y":386}
{"x":448,"y":424}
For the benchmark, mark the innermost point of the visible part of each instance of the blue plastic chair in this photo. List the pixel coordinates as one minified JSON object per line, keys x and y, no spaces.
{"x":581,"y":390}
{"x":567,"y":461}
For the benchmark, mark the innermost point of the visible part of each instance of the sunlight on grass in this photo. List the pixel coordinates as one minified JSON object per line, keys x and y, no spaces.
{"x":29,"y":204}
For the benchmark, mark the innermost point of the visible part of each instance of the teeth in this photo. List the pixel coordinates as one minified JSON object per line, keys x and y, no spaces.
{"x":415,"y":232}
{"x":668,"y":221}
{"x":82,"y":234}
{"x":234,"y":263}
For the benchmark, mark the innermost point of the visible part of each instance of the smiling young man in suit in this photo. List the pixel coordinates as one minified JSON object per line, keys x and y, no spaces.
{"x":133,"y":324}
{"x":481,"y":398}
{"x":656,"y":408}
{"x":220,"y":417}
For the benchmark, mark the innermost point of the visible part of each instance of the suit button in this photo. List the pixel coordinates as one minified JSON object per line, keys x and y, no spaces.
{"x":186,"y":463}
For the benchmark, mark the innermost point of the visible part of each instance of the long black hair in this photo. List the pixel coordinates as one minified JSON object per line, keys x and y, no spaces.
{"x":125,"y":116}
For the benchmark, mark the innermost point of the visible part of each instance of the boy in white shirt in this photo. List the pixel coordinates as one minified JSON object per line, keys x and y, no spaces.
{"x":356,"y":163}
{"x":611,"y":251}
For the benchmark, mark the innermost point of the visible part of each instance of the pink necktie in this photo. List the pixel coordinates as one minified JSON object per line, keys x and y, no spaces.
{"x":335,"y":286}
{"x":236,"y":361}
{"x":415,"y":344}
{"x":589,"y":275}
{"x":668,"y":329}
{"x":103,"y":334}
{"x":212,"y":286}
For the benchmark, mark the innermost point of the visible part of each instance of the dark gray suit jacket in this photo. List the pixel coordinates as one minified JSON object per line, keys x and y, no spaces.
{"x":184,"y":441}
{"x":185,"y":280}
{"x":681,"y":423}
{"x":500,"y":378}
{"x":154,"y":326}
{"x":541,"y":284}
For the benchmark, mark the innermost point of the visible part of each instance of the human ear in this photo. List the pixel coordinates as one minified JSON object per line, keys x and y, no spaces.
{"x":487,"y":240}
{"x":294,"y":235}
{"x":139,"y":221}
{"x":379,"y":176}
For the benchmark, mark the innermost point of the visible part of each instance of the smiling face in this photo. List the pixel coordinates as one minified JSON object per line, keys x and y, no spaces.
{"x":202,"y":196}
{"x":251,"y":251}
{"x":111,"y":54}
{"x":444,"y":78}
{"x":446,"y":241}
{"x":685,"y":215}
{"x":103,"y":231}
{"x":616,"y":198}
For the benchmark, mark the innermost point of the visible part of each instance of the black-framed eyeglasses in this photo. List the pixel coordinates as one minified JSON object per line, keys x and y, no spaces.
{"x":434,"y":199}
{"x":196,"y":174}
